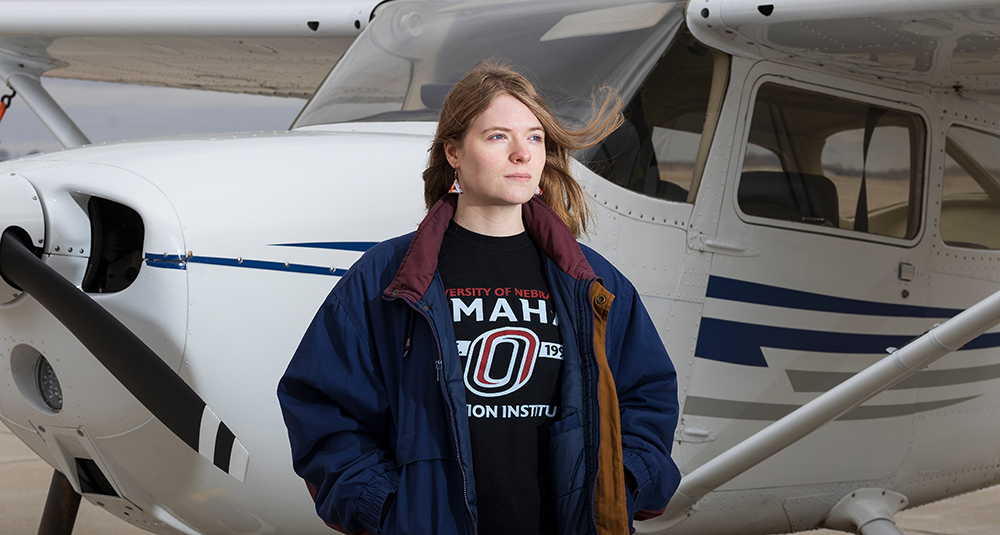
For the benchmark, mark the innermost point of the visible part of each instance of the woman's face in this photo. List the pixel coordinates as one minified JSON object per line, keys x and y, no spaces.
{"x":501,"y":157}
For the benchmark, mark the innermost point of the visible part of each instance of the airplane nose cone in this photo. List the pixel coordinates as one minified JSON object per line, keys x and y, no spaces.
{"x":20,"y":208}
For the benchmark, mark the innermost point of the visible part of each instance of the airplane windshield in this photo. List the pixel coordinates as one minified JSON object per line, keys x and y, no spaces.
{"x":402,"y":67}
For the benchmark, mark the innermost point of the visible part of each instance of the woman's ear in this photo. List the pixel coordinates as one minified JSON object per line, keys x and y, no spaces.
{"x":451,"y":152}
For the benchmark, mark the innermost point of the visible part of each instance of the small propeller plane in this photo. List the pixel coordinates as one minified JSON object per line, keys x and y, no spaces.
{"x":805,"y":194}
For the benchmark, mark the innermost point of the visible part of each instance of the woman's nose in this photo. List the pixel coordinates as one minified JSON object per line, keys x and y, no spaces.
{"x":520,"y":153}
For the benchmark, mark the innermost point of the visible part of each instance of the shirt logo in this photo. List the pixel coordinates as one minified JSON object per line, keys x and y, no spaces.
{"x":484,"y":371}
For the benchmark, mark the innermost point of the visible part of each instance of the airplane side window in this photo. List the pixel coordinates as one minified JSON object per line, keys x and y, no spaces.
{"x":657,"y":149}
{"x":833,"y":162}
{"x":970,"y":204}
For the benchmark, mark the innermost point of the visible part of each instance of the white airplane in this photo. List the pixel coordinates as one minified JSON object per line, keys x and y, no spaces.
{"x":801,"y":190}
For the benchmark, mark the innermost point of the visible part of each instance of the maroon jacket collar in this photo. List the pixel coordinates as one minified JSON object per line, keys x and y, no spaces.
{"x":416,"y":271}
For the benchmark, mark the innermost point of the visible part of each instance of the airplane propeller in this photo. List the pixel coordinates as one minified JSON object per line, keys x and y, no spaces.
{"x":122,"y":353}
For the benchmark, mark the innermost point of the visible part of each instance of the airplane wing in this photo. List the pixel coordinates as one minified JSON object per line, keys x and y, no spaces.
{"x":245,"y":46}
{"x":951,"y":45}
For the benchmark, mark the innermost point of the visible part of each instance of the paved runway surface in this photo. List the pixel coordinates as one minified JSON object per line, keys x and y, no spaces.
{"x":24,"y":482}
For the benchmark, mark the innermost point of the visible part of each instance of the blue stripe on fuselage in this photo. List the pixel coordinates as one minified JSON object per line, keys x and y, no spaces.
{"x":763,"y":294}
{"x":740,"y":343}
{"x":360,"y":246}
{"x":181,"y":262}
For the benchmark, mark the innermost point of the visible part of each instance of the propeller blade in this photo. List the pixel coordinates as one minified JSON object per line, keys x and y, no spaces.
{"x":131,"y":361}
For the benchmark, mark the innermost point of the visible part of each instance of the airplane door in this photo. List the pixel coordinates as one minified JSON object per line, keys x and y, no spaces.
{"x":823,"y":272}
{"x":964,"y":269}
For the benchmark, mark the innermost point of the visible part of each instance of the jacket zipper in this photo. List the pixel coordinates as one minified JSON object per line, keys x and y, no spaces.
{"x":408,"y":345}
{"x":439,"y":364}
{"x":594,"y":387}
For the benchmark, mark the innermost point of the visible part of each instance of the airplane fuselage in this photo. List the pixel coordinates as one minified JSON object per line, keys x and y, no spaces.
{"x":777,"y":250}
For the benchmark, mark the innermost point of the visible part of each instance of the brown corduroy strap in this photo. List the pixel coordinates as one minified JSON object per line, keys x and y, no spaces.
{"x":610,"y":508}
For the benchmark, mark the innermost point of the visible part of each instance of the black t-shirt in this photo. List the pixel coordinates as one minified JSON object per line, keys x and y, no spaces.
{"x":508,"y":338}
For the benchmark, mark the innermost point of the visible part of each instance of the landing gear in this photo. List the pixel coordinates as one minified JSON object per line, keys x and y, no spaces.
{"x":61,"y":507}
{"x":867,"y":512}
{"x":880,"y":527}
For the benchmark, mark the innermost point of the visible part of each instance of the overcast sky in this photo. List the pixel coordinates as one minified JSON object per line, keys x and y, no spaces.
{"x":111,"y":112}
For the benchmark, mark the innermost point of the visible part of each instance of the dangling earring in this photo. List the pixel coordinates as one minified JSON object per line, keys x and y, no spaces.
{"x":538,"y":191}
{"x":455,"y":187}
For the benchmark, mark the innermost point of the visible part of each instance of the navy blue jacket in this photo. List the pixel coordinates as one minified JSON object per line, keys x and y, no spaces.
{"x":374,"y":398}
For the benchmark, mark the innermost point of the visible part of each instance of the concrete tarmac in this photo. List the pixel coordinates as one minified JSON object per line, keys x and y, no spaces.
{"x":24,"y":483}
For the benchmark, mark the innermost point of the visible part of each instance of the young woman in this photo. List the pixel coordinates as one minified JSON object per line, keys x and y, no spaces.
{"x":487,"y":373}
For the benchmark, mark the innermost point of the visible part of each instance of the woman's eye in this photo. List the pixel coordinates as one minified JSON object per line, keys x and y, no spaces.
{"x":497,"y":136}
{"x":536,"y":137}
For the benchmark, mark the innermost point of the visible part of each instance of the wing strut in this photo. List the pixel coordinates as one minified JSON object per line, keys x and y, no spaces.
{"x":47,"y":109}
{"x":23,"y":76}
{"x":902,"y":363}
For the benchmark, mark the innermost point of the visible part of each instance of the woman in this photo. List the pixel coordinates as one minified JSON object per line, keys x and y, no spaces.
{"x":487,"y":373}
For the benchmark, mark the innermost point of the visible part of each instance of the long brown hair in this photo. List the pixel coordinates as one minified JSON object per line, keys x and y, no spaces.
{"x":474,"y":93}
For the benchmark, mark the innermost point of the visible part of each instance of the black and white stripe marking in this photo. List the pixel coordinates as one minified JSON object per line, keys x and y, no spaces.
{"x":218,"y":444}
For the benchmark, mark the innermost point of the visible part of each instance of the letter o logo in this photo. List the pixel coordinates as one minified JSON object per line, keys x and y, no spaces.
{"x":501,"y":361}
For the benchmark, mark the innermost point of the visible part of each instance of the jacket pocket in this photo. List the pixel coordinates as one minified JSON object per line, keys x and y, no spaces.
{"x":566,"y":455}
{"x":426,"y":446}
{"x":429,"y":500}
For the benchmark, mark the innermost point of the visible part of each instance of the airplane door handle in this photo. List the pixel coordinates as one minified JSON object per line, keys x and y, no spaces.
{"x":906,"y":271}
